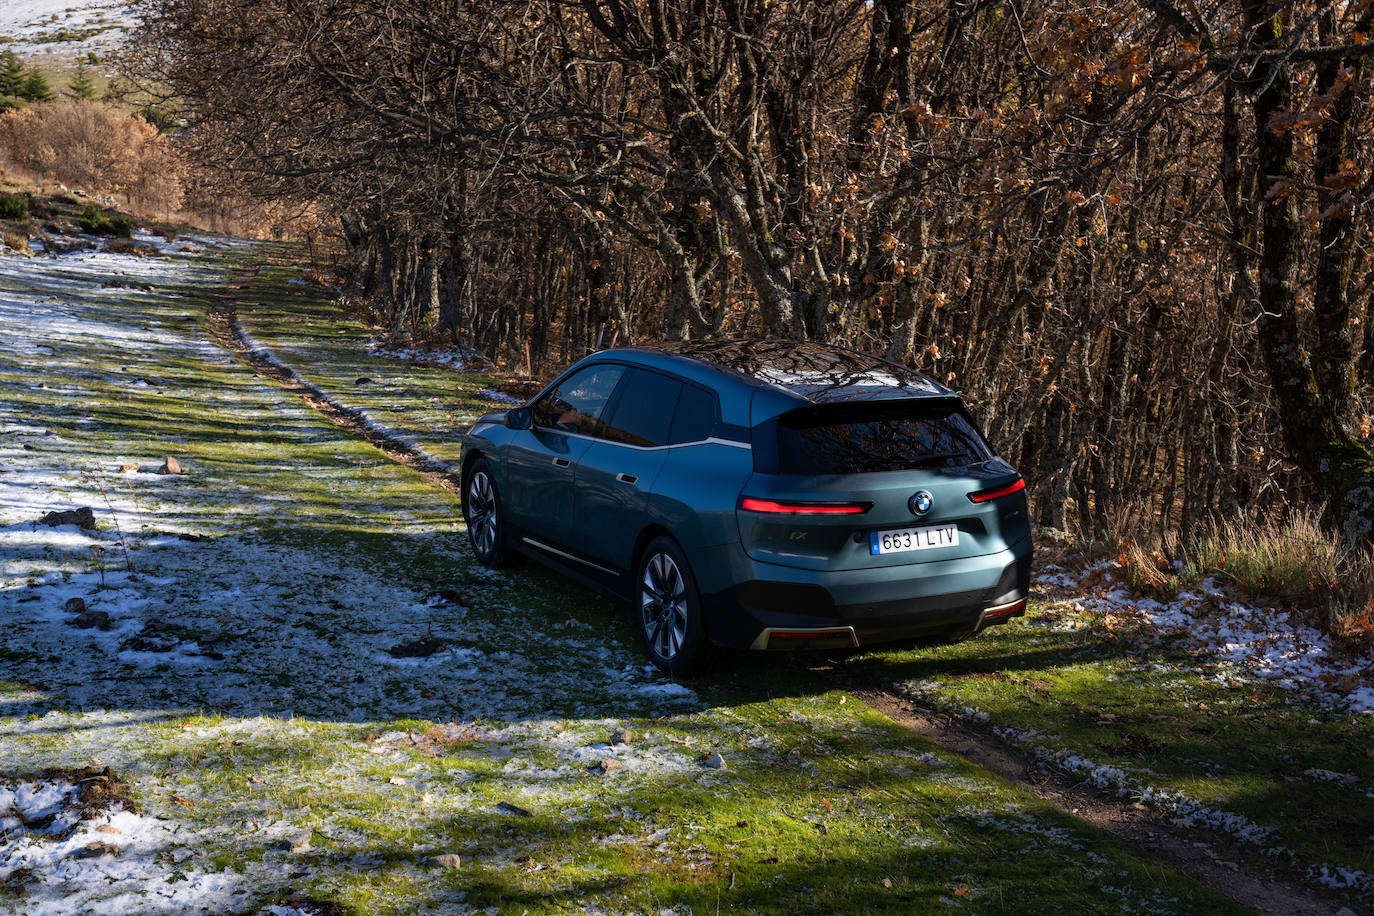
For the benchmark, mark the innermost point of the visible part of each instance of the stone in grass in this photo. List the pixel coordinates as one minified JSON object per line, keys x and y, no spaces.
{"x":606,"y":764}
{"x":296,"y":843}
{"x":622,"y":736}
{"x":362,"y":380}
{"x":446,"y":860}
{"x":96,"y":849}
{"x":156,"y":636}
{"x":88,"y":619}
{"x":128,"y":468}
{"x":714,"y":762}
{"x":81,"y":518}
{"x":420,"y":648}
{"x":170,"y":466}
{"x":75,"y":605}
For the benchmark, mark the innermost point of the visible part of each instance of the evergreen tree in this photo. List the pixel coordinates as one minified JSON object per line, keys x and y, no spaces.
{"x":36,"y":88}
{"x":11,"y":74}
{"x":82,"y":86}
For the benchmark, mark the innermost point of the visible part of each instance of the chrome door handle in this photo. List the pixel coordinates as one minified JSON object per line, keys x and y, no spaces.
{"x":561,"y":462}
{"x":626,"y":478}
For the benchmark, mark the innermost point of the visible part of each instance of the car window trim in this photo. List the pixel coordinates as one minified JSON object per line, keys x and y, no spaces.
{"x":709,"y":440}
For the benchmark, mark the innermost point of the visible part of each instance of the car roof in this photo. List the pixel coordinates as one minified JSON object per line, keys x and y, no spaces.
{"x":805,"y":372}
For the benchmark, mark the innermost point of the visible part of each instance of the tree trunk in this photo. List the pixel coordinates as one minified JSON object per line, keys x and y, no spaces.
{"x":1339,"y":465}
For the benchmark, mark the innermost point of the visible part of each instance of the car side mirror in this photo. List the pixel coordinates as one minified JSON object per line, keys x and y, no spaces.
{"x":518,"y":418}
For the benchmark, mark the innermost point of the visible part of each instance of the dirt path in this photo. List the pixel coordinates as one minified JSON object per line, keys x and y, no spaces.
{"x":224,"y":325}
{"x":1204,"y":856}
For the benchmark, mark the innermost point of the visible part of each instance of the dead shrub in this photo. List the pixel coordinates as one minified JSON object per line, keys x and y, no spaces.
{"x":96,"y":147}
{"x":1148,"y":570}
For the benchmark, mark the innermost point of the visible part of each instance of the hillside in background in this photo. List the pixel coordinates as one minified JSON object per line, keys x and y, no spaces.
{"x":62,"y":29}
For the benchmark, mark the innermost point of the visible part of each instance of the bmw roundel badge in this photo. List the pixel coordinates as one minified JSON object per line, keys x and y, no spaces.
{"x":920,"y":502}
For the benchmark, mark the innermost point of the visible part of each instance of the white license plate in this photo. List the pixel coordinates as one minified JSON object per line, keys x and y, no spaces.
{"x":903,"y":539}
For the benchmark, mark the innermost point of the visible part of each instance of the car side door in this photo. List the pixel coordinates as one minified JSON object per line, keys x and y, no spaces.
{"x":616,"y":473}
{"x":540,"y":461}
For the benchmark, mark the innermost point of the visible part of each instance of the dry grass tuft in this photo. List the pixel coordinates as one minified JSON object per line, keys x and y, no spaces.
{"x":1291,"y":561}
{"x":17,"y":241}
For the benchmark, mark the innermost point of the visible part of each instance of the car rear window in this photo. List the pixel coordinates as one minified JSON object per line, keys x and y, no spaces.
{"x":879,"y":437}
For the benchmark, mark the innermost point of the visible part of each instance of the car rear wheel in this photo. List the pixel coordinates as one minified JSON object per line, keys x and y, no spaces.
{"x":669,"y":608}
{"x":482,"y":512}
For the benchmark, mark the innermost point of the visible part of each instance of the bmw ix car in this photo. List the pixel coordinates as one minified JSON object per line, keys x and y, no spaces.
{"x":756,"y":494}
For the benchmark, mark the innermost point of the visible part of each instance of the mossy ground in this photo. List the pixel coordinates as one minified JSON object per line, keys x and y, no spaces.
{"x":246,"y":691}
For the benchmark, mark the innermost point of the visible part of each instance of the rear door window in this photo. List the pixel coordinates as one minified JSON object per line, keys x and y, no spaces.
{"x":643,"y":414}
{"x":575,"y":406}
{"x":696,"y":415}
{"x":877,"y":437}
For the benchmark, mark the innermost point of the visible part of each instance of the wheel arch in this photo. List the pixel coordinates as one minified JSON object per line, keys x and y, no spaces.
{"x":470,"y":457}
{"x":646,"y":537}
{"x":649,"y":533}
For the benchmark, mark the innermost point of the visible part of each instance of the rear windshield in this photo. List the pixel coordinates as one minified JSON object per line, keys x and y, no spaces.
{"x":878,"y":437}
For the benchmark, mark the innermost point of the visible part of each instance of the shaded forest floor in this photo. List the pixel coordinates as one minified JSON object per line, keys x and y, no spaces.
{"x":310,"y":699}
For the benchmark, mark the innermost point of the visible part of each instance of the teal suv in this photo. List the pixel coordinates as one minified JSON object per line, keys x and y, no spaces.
{"x":756,"y":494}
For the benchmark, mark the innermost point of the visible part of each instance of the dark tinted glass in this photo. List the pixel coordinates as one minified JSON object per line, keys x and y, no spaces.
{"x":645,"y":411}
{"x":877,"y":438}
{"x":696,"y":415}
{"x":576,"y":404}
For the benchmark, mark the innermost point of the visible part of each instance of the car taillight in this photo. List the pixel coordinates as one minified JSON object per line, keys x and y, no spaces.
{"x":767,"y":505}
{"x":982,"y":496}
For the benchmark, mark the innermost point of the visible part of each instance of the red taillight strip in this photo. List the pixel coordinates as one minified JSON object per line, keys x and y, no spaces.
{"x":982,"y":496}
{"x":767,"y":505}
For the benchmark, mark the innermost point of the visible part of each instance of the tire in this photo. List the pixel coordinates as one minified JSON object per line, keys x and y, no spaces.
{"x":483,"y":514}
{"x":668,"y":609}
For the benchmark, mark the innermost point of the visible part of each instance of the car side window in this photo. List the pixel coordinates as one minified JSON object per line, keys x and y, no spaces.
{"x":575,"y":405}
{"x":644,"y":411}
{"x":696,"y":415}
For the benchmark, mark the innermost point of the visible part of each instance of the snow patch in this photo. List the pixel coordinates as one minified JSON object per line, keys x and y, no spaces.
{"x":115,"y":862}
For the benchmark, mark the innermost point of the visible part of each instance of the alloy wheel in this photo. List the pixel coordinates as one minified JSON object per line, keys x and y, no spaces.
{"x":663,"y":606}
{"x":482,"y":520}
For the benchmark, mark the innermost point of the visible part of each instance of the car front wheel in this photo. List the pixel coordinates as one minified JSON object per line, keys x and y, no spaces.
{"x":482,"y":512}
{"x":669,"y":609}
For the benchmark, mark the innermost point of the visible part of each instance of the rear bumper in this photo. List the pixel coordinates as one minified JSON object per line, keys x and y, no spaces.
{"x":782,"y":607}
